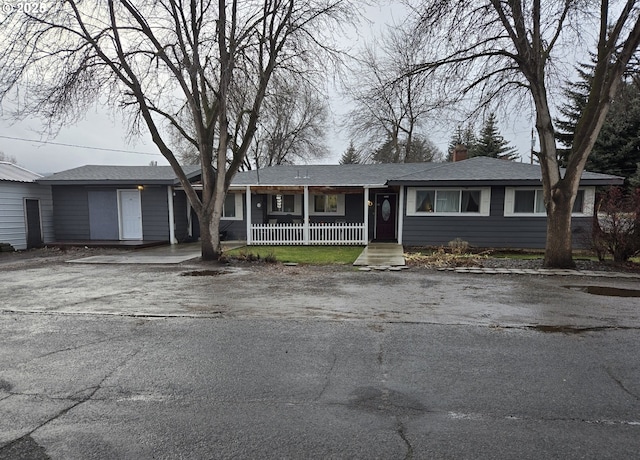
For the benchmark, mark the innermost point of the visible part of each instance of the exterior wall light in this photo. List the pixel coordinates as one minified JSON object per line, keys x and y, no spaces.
{"x":141,"y":187}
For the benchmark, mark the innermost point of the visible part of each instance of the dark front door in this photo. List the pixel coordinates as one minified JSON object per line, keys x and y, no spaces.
{"x":34,"y":230}
{"x":386,"y":212}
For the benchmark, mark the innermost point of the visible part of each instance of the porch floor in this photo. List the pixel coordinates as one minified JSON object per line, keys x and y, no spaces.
{"x":381,"y":254}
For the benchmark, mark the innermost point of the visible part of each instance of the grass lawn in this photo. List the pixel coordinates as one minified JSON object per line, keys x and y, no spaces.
{"x":316,"y":255}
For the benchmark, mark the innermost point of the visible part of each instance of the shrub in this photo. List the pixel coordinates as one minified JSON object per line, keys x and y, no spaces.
{"x":616,"y":228}
{"x":458,"y":246}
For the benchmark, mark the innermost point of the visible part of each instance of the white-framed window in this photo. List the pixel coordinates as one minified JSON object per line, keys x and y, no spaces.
{"x":232,"y":209}
{"x":285,"y":204}
{"x":326,"y":204}
{"x":529,"y":202}
{"x":448,"y":201}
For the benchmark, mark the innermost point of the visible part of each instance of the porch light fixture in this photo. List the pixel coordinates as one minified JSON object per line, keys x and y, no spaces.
{"x":141,"y":187}
{"x":370,"y":203}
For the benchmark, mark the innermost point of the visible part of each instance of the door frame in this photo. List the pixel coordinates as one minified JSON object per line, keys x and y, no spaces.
{"x":120,"y":216}
{"x":375,"y":216}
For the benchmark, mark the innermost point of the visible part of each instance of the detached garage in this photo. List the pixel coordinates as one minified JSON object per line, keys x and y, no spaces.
{"x":26,"y":208}
{"x":119,"y":203}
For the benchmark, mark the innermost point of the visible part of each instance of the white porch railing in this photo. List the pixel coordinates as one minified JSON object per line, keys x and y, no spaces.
{"x":318,"y":233}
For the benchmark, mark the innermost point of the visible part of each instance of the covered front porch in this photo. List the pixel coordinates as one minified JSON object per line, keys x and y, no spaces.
{"x":320,"y":215}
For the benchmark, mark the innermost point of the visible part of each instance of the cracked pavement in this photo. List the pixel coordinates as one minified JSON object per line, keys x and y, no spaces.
{"x":274,"y":362}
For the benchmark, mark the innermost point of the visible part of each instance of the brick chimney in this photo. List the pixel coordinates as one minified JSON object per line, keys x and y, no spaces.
{"x":460,"y":152}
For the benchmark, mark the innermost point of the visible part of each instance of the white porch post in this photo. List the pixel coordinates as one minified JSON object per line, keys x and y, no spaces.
{"x":365,"y":236}
{"x":401,"y":214}
{"x":305,"y":225}
{"x":248,"y":215}
{"x":172,"y":220}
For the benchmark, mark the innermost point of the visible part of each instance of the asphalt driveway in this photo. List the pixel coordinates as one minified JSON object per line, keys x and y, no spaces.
{"x":194,"y":289}
{"x":191,"y":360}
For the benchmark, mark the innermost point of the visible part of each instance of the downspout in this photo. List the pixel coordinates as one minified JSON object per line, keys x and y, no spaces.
{"x":365,"y":235}
{"x":172,"y":223}
{"x":400,"y":214}
{"x":305,"y":228}
{"x":247,"y":200}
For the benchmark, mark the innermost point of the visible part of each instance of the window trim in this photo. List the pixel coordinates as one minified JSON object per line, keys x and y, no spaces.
{"x":485,"y":201}
{"x":340,"y":211}
{"x":238,"y":206}
{"x":588,"y":202}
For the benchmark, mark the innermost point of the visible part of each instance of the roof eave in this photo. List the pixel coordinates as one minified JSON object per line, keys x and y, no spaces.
{"x":103,"y":182}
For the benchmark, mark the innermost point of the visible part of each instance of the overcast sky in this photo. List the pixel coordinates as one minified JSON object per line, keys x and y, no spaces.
{"x":101,"y":139}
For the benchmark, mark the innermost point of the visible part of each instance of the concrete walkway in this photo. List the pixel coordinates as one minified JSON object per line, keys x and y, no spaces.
{"x":540,"y":271}
{"x":381,"y":255}
{"x":168,"y":254}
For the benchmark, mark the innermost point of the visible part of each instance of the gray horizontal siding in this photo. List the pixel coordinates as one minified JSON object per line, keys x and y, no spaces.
{"x":12,"y":213}
{"x":486,"y":232}
{"x":494,"y":230}
{"x":155,"y":213}
{"x":70,"y":213}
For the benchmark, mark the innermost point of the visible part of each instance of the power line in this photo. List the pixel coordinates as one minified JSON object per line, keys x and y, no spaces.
{"x":77,"y":146}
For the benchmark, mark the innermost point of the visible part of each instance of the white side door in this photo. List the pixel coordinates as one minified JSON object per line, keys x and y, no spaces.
{"x":130,"y":214}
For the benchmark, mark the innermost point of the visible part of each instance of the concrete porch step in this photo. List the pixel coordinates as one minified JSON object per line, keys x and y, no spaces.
{"x":381,"y":254}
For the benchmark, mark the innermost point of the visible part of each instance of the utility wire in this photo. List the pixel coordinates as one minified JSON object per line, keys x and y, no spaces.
{"x":77,"y":146}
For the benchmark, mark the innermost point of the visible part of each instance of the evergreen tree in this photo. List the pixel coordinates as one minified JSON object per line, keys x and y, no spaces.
{"x":422,"y":150}
{"x":350,"y":156}
{"x":576,"y":93}
{"x":464,"y":137}
{"x":617,"y":149}
{"x":491,"y":143}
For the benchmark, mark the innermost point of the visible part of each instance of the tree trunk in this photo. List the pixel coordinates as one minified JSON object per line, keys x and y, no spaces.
{"x":559,"y":246}
{"x":209,"y":239}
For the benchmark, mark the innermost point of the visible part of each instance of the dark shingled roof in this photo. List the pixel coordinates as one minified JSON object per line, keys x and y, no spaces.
{"x":105,"y":175}
{"x":485,"y":169}
{"x":329,"y":175}
{"x":468,"y":172}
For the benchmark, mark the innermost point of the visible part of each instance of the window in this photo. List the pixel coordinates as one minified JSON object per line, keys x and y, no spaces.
{"x":229,"y":209}
{"x":325,"y":203}
{"x":283,"y":203}
{"x":232,"y":209}
{"x":519,"y":202}
{"x":423,"y":201}
{"x":528,"y":202}
{"x":578,"y":205}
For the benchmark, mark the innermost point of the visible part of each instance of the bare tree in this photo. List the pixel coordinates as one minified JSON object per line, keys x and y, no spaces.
{"x":8,"y":158}
{"x":292,"y":125}
{"x":481,"y":51}
{"x":171,"y":65}
{"x":390,"y":104}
